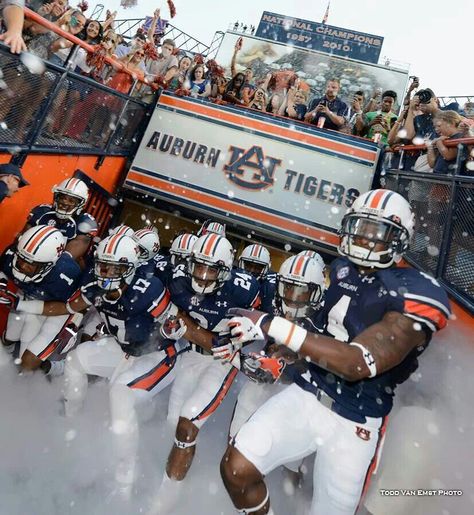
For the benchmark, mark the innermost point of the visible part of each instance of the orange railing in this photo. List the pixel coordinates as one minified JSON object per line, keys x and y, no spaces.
{"x":447,"y":143}
{"x":33,"y":16}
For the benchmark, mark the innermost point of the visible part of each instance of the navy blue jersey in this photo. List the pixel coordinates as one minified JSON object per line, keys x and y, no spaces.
{"x":209,"y":311}
{"x":133,"y":318}
{"x":159,"y":266}
{"x":163,"y":269}
{"x":354,"y":302}
{"x":72,"y":226}
{"x":267,"y":293}
{"x":58,"y":284}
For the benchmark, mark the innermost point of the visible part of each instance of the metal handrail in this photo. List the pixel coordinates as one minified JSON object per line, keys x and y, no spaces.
{"x":135,"y":74}
{"x":447,"y":143}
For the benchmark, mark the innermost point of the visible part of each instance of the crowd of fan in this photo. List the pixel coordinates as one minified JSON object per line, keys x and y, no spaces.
{"x":160,"y":63}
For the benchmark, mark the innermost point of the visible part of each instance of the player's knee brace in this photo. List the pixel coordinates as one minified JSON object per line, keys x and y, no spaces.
{"x":247,"y":511}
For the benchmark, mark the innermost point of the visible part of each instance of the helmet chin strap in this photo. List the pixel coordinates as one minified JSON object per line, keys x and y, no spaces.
{"x":294,"y":313}
{"x":203,"y":289}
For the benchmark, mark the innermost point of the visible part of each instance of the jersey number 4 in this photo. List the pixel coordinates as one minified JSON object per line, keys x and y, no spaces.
{"x":336,"y":317}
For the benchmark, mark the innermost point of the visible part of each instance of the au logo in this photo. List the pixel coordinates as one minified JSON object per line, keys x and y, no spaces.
{"x":251,"y":168}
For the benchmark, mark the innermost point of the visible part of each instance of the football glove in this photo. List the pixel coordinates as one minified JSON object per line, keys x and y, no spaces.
{"x":247,"y":325}
{"x":173,"y":328}
{"x":8,"y":298}
{"x":260,"y":368}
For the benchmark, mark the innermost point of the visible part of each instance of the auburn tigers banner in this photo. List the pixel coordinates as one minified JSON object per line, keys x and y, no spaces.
{"x":284,"y":179}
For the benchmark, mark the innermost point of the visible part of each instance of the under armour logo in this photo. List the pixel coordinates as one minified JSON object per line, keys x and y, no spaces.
{"x":367,"y":279}
{"x":222,"y":304}
{"x":369,"y":358}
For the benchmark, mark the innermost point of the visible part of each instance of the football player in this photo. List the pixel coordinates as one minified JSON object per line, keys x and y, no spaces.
{"x":179,"y":252}
{"x":255,"y":260}
{"x":205,"y":287}
{"x":125,"y":348}
{"x":377,"y":320}
{"x":299,"y":289}
{"x":315,"y":255}
{"x":65,"y":213}
{"x":41,"y":271}
{"x":181,"y":248}
{"x":210,"y":227}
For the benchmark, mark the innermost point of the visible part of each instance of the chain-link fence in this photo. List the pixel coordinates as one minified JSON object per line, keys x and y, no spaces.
{"x":443,"y":244}
{"x":61,"y":110}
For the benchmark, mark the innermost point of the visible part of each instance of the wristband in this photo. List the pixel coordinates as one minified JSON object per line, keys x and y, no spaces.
{"x":69,"y":308}
{"x":286,"y":333}
{"x":368,"y":358}
{"x":33,"y":307}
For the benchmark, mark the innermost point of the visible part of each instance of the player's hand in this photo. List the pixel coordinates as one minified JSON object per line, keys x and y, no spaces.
{"x":261,"y":368}
{"x":247,"y":325}
{"x":226,"y":349}
{"x":173,"y":328}
{"x":8,"y":298}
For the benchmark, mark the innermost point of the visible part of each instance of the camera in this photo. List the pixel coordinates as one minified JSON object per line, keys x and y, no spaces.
{"x":425,"y":95}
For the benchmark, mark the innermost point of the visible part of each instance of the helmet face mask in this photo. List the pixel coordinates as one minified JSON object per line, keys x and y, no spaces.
{"x":181,"y":247}
{"x":376,"y":230}
{"x":371,"y":242}
{"x":66,"y":205}
{"x":205,"y":277}
{"x":37,"y":251}
{"x":300,"y":286}
{"x":69,"y":197}
{"x":210,"y":263}
{"x":115,"y":262}
{"x":255,"y":260}
{"x":26,"y":270}
{"x":297,"y":298}
{"x":111,"y":275}
{"x":258,"y":270}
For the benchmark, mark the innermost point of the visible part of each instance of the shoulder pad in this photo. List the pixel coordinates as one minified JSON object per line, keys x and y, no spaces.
{"x":423,"y":298}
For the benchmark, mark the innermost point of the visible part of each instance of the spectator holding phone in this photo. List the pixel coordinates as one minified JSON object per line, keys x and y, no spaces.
{"x":380,"y":121}
{"x":356,"y":111}
{"x":329,"y":111}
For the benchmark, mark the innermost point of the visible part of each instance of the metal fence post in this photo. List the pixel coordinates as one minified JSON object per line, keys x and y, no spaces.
{"x":448,"y":226}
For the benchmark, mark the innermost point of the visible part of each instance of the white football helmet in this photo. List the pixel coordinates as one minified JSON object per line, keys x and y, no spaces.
{"x":255,"y":259}
{"x":122,"y":230}
{"x":210,"y":227}
{"x":313,"y":254}
{"x":37,"y":251}
{"x":148,"y":243}
{"x":210,"y":263}
{"x":69,"y":197}
{"x":115,"y":261}
{"x":181,"y":248}
{"x":300,"y":286}
{"x":376,"y":229}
